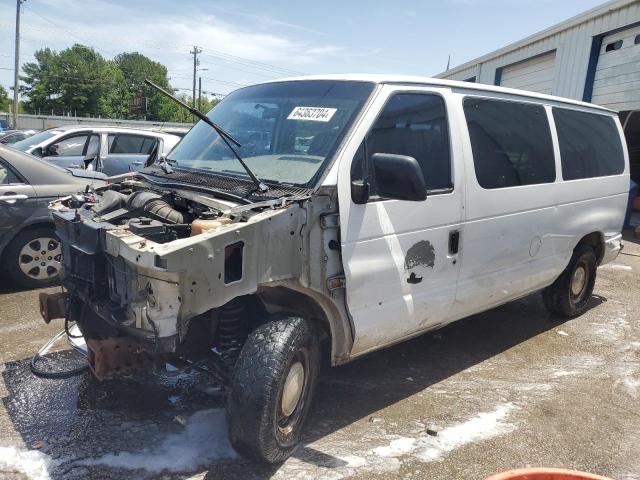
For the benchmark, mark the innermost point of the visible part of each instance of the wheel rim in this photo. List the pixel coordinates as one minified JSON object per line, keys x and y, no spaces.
{"x":579,"y":281}
{"x":40,"y":258}
{"x":292,"y":390}
{"x":293,"y":394}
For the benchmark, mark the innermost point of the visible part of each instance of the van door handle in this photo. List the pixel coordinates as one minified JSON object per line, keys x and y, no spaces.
{"x":454,"y":242}
{"x":12,"y":198}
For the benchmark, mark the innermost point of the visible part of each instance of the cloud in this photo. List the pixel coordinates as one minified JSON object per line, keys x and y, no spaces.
{"x":112,"y":28}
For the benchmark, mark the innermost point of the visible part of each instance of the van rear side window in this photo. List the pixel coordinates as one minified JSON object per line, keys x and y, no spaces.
{"x":511,"y":143}
{"x":590,"y":144}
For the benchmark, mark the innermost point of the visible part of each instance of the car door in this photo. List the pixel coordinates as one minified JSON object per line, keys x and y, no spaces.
{"x":69,"y":152}
{"x":400,"y":257}
{"x":18,"y":200}
{"x":127,"y":153}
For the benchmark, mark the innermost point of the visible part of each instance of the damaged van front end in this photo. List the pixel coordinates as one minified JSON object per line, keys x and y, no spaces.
{"x":141,"y":268}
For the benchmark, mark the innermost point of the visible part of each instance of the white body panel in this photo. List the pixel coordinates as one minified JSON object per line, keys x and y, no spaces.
{"x":513,"y":241}
{"x":377,"y":237}
{"x":535,"y":74}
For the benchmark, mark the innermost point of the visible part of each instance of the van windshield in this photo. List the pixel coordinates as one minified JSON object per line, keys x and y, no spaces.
{"x":288,"y":130}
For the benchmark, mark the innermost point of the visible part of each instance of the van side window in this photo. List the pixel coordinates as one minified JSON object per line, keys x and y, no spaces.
{"x":413,"y":124}
{"x":590,"y":144}
{"x":511,"y":143}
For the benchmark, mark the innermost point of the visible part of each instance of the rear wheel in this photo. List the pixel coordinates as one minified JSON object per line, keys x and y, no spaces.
{"x":569,"y":295}
{"x":33,"y":258}
{"x":272,"y":387}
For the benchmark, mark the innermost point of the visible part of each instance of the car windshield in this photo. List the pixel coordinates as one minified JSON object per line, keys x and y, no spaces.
{"x":36,"y":139}
{"x":288,"y":130}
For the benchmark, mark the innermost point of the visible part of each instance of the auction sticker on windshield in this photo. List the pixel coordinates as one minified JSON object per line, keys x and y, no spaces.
{"x":313,"y":114}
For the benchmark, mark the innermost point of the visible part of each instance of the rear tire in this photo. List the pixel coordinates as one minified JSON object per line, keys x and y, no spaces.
{"x":569,"y":295}
{"x":27,"y":265}
{"x":272,"y":387}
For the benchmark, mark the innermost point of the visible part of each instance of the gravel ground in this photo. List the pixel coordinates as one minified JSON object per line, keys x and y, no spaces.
{"x":507,"y":388}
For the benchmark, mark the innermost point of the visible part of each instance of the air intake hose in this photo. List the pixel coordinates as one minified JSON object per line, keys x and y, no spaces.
{"x":155,"y":206}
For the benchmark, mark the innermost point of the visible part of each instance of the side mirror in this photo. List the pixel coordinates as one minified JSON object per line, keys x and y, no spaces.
{"x":37,"y":152}
{"x":52,"y":149}
{"x":399,"y":177}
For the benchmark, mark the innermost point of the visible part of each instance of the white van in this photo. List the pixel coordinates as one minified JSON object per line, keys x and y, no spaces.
{"x":361,"y":210}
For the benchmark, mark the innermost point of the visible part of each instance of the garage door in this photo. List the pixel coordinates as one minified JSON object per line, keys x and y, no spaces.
{"x":535,"y":74}
{"x":617,"y":80}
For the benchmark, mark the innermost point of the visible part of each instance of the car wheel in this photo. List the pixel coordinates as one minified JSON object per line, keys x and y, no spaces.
{"x":569,"y":295}
{"x":34,"y":258}
{"x":272,"y":387}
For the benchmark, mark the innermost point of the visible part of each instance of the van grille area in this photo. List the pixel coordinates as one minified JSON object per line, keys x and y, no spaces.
{"x":235,"y":186}
{"x":84,"y":266}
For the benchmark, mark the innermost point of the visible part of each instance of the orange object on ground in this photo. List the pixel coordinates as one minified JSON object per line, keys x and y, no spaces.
{"x":636,"y":203}
{"x":545,"y":474}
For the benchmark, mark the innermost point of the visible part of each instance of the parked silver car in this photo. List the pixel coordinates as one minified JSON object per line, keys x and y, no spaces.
{"x":29,"y":249}
{"x":112,"y":150}
{"x":9,"y":137}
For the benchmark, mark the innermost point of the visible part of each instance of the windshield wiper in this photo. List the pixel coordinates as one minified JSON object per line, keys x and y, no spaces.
{"x":226,"y":137}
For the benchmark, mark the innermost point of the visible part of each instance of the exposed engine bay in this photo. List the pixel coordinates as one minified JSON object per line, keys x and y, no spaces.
{"x":152,"y":271}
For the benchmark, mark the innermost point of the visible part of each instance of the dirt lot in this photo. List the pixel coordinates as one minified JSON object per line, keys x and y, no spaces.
{"x":507,"y":388}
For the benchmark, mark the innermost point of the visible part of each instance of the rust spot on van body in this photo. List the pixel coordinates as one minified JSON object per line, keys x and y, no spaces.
{"x":421,"y":253}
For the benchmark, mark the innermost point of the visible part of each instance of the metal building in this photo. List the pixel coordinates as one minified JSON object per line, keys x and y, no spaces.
{"x":594,"y":56}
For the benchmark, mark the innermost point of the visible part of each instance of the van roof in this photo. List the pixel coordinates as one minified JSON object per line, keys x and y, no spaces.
{"x":418,"y":80}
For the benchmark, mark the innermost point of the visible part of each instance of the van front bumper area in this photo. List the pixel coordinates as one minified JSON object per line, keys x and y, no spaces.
{"x":612,"y":247}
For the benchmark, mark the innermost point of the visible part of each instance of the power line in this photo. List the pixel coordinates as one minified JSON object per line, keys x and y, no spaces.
{"x":247,"y":62}
{"x":215,"y":80}
{"x":69,"y":32}
{"x":226,"y":65}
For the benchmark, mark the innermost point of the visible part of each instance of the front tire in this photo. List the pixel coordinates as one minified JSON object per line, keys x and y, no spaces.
{"x":33,"y":258}
{"x":569,"y":295}
{"x":272,"y":387}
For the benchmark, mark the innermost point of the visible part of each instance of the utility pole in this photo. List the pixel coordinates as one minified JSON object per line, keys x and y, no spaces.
{"x":16,"y":77}
{"x":196,"y":50}
{"x":200,"y":87}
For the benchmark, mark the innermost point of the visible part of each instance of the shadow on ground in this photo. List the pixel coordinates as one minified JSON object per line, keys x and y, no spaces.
{"x":83,"y":418}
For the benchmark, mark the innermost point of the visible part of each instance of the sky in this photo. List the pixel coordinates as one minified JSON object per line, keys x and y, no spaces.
{"x":249,"y":41}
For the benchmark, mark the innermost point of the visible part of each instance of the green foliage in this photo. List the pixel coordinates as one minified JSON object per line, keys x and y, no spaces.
{"x":135,"y":68}
{"x":79,"y":80}
{"x":4,"y":99}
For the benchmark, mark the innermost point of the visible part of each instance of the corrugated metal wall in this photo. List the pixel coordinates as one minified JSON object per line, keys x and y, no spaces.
{"x":572,"y":46}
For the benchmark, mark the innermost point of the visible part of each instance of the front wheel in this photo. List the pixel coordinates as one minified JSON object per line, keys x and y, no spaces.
{"x":34,"y":258}
{"x":569,"y":295}
{"x":272,"y":387}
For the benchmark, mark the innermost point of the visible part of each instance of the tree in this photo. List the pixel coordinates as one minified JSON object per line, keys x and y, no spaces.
{"x":4,"y":99}
{"x":136,"y":68}
{"x":77,"y":80}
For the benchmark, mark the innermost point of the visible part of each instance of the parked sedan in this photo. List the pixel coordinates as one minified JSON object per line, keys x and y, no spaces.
{"x":12,"y":136}
{"x":112,"y":150}
{"x":29,"y":250}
